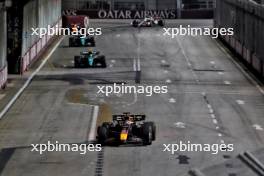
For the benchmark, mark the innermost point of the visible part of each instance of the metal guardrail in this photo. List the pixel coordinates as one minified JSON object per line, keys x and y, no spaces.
{"x":252,"y":162}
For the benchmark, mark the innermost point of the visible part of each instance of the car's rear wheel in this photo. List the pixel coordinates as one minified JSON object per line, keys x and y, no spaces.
{"x":161,"y":22}
{"x":100,"y":62}
{"x":72,"y":42}
{"x":103,"y":63}
{"x":147,"y":133}
{"x":77,"y":61}
{"x":103,"y":134}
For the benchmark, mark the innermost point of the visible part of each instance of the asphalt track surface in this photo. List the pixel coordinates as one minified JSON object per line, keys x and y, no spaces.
{"x":210,"y":101}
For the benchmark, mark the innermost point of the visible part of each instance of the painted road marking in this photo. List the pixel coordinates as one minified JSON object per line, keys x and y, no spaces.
{"x":168,"y":81}
{"x":220,"y":73}
{"x":227,"y":82}
{"x":165,"y":71}
{"x":220,"y":135}
{"x":113,"y":61}
{"x":163,"y":61}
{"x":117,"y":35}
{"x":172,"y":100}
{"x":240,"y":102}
{"x":215,"y":121}
{"x":217,"y":127}
{"x":92,"y":136}
{"x":258,"y":127}
{"x":222,"y":141}
{"x":187,"y":60}
{"x":111,"y":65}
{"x":212,"y":62}
{"x":180,"y":125}
{"x":134,"y":65}
{"x":213,"y":116}
{"x":30,"y":78}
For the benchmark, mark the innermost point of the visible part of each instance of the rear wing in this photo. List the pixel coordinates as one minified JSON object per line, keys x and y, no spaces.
{"x":123,"y":117}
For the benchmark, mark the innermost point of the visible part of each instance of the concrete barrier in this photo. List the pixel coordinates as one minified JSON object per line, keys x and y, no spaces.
{"x":247,"y":19}
{"x":3,"y":77}
{"x":36,"y":49}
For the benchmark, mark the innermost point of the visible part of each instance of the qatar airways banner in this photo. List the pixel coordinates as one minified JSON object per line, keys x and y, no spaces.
{"x":123,"y":14}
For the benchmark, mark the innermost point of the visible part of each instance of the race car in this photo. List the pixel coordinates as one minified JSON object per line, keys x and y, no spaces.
{"x":89,"y":60}
{"x":148,"y":22}
{"x":127,"y":129}
{"x":79,"y":41}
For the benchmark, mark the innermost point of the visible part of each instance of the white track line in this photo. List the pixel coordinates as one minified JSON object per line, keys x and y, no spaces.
{"x":134,"y":65}
{"x":21,"y":90}
{"x":92,"y":136}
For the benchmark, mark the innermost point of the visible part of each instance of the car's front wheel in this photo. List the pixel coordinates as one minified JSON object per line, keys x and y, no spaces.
{"x":147,"y":133}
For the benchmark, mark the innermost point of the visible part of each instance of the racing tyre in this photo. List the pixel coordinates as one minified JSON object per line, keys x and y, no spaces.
{"x":77,"y":61}
{"x":103,"y":133}
{"x":71,"y":42}
{"x":161,"y":23}
{"x":92,"y":41}
{"x":153,"y":130}
{"x":147,"y":133}
{"x":100,"y":62}
{"x":103,"y":62}
{"x":135,"y":23}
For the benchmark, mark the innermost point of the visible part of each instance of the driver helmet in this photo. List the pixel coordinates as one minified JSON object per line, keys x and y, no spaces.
{"x":90,"y":51}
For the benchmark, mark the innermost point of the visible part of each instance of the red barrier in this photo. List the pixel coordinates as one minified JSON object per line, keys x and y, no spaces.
{"x":233,"y":42}
{"x":3,"y":77}
{"x":246,"y":55}
{"x":239,"y":48}
{"x":263,"y":69}
{"x":35,"y":50}
{"x":256,"y":63}
{"x":226,"y":37}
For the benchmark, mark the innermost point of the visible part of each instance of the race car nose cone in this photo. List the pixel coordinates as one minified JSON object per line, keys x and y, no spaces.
{"x":123,"y":136}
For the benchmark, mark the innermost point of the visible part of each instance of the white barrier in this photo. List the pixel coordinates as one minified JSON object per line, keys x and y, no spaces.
{"x":35,"y":50}
{"x":3,"y":76}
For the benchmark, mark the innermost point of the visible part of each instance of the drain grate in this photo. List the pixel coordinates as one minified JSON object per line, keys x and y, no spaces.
{"x":226,"y":156}
{"x":229,"y":165}
{"x":99,"y":163}
{"x":232,"y":174}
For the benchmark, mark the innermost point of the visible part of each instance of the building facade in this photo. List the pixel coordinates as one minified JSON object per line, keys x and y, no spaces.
{"x":136,"y":4}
